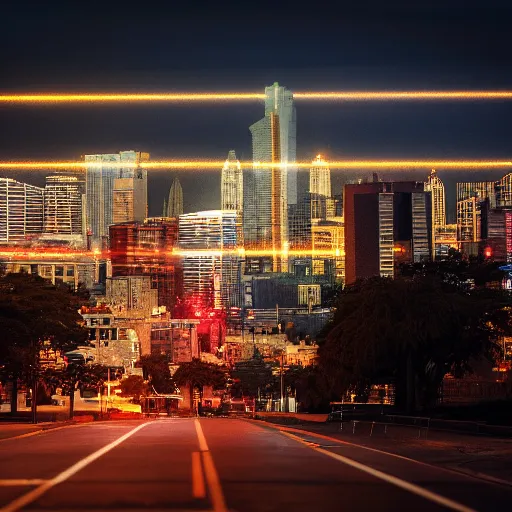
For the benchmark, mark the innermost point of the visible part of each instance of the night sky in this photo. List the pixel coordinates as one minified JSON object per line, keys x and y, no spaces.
{"x":86,"y":46}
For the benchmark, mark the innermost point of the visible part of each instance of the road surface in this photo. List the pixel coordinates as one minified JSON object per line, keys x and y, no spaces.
{"x":222,"y":465}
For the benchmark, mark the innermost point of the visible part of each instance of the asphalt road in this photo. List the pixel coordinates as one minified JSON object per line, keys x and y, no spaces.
{"x":222,"y":464}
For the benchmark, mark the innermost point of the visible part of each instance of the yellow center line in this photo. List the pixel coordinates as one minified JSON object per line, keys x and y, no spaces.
{"x":212,"y":477}
{"x":198,"y":485}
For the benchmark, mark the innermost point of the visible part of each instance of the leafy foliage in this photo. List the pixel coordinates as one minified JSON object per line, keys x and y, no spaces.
{"x":411,"y":331}
{"x":253,"y":375}
{"x":156,"y":370}
{"x":134,"y":386}
{"x":199,"y":374}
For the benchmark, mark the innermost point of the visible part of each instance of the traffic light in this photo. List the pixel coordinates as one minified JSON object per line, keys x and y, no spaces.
{"x":488,"y":252}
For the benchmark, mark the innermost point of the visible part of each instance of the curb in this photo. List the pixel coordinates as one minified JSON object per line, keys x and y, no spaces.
{"x":44,"y":430}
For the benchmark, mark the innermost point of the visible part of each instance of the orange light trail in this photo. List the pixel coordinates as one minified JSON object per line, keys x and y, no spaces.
{"x":48,"y":253}
{"x":218,"y":164}
{"x":187,"y":97}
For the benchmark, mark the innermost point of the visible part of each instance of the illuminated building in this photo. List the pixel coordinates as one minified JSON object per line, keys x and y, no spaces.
{"x":64,"y":201}
{"x":386,"y":223}
{"x":21,"y":211}
{"x":114,"y":193}
{"x":175,"y":202}
{"x":214,"y":278}
{"x":320,"y":177}
{"x":436,"y":187}
{"x":329,"y":236}
{"x":503,"y":189}
{"x":143,"y":248}
{"x":265,"y":214}
{"x":279,"y":101}
{"x":232,"y":191}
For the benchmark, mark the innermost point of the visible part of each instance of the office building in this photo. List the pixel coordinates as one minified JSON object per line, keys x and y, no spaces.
{"x":436,"y":187}
{"x":232,"y":191}
{"x":64,"y":207}
{"x":212,"y":263}
{"x":21,"y":211}
{"x":145,"y":249}
{"x":279,"y":101}
{"x":386,"y":223}
{"x":265,"y":215}
{"x":320,"y":177}
{"x":116,"y":191}
{"x":175,"y":201}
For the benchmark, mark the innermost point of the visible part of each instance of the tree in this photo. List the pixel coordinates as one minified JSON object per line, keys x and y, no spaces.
{"x":310,"y":387}
{"x":76,"y":376}
{"x":33,"y":311}
{"x":411,"y":331}
{"x":156,"y":371}
{"x":198,"y":374}
{"x":134,"y":386}
{"x":253,"y":376}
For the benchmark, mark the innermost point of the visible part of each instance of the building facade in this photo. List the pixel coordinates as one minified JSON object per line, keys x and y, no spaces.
{"x":146,"y":249}
{"x":116,"y":191}
{"x":21,"y":211}
{"x":232,"y":191}
{"x":386,"y":223}
{"x":212,"y":261}
{"x":320,"y":177}
{"x":64,"y":208}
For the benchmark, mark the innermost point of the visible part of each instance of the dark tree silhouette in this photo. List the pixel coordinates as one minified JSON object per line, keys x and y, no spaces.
{"x":33,"y":312}
{"x":411,"y":331}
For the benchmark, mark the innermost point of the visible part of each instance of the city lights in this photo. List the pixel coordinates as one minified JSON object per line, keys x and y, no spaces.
{"x":194,"y":165}
{"x":205,"y":97}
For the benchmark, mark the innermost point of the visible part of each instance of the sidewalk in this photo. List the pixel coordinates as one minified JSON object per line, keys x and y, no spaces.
{"x":483,"y":457}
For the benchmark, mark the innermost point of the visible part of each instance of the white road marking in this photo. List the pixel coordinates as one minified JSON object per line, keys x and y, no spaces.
{"x":36,"y":493}
{"x":198,"y":485}
{"x":412,"y":488}
{"x":212,"y":477}
{"x":21,"y":481}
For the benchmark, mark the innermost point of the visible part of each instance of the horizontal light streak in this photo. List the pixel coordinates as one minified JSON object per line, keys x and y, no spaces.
{"x":41,"y":253}
{"x":129,"y":98}
{"x":218,"y":164}
{"x":189,"y":97}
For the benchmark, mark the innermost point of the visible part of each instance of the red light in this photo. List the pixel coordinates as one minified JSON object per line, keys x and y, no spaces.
{"x":488,"y":252}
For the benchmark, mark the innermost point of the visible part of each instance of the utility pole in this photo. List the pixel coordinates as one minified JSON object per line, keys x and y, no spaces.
{"x":282,"y":382}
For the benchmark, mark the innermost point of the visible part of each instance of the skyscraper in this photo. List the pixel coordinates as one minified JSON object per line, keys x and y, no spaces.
{"x":115,"y":193}
{"x":386,"y":223}
{"x":320,"y":177}
{"x":232,"y":191}
{"x":279,"y":100}
{"x":21,"y":211}
{"x":436,"y":187}
{"x":64,"y":202}
{"x":175,"y":202}
{"x":265,"y":218}
{"x":212,"y":278}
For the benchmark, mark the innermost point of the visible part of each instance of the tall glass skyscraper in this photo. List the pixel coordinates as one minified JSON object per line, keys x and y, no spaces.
{"x":115,"y":193}
{"x":279,"y":100}
{"x":232,"y":192}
